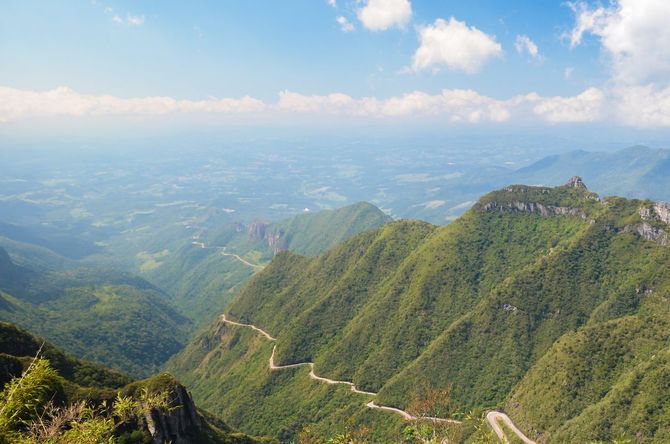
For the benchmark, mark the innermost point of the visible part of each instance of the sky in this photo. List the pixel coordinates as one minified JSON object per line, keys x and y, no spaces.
{"x":453,"y":63}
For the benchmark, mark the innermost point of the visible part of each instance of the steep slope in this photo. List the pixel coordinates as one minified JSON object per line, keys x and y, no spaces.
{"x":476,"y":306}
{"x":174,"y":420}
{"x":17,"y":345}
{"x":206,"y":273}
{"x":112,"y":318}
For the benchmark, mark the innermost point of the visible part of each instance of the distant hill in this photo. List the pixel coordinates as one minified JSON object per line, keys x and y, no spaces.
{"x":113,"y":318}
{"x":203,"y":280}
{"x":637,"y":172}
{"x":547,"y":302}
{"x":78,"y":381}
{"x":68,"y":245}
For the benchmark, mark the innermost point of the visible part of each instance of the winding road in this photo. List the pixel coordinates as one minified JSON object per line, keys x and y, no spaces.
{"x":223,"y":253}
{"x":492,"y":417}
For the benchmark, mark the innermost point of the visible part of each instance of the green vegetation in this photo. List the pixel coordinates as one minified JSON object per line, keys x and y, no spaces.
{"x":109,"y":317}
{"x":486,"y":306}
{"x":203,"y":281}
{"x":50,"y":397}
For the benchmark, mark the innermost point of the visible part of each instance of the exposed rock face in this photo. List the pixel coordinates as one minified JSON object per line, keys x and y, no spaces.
{"x":649,"y":232}
{"x":275,"y":241}
{"x":180,"y":424}
{"x":576,"y":182}
{"x":260,"y":231}
{"x":662,"y":211}
{"x":534,"y":207}
{"x":256,"y":230}
{"x":657,"y":212}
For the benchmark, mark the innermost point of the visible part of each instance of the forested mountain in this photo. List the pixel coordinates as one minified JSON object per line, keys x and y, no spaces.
{"x":49,"y":396}
{"x":112,"y":318}
{"x":548,"y":302}
{"x":205,"y":273}
{"x":637,"y":172}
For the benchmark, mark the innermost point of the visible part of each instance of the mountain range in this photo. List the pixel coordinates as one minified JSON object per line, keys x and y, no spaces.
{"x":206,"y":272}
{"x":549,"y":303}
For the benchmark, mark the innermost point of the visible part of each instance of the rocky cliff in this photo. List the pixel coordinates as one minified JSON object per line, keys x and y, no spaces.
{"x":179,"y":424}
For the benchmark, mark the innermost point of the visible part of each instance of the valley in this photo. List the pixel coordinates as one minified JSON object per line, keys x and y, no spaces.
{"x":335,"y":222}
{"x":387,"y":309}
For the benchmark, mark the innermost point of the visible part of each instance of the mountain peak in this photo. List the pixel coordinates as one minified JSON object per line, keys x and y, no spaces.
{"x":576,"y":182}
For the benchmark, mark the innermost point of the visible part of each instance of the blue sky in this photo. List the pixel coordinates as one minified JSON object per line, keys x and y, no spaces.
{"x":452,"y":61}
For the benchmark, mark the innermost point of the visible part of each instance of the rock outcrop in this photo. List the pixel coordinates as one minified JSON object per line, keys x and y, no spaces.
{"x":576,"y":182}
{"x":662,"y":211}
{"x":649,"y":232}
{"x":534,"y":207}
{"x":262,"y":232}
{"x":179,"y":424}
{"x":649,"y":228}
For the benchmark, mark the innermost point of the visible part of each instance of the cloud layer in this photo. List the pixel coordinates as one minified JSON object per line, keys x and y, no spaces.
{"x":449,"y":106}
{"x":16,"y":104}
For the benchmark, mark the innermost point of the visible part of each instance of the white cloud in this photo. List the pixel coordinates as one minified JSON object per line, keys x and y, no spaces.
{"x":133,"y":20}
{"x":379,"y":15}
{"x":454,"y":45}
{"x":333,"y":3}
{"x":62,"y":101}
{"x":633,"y":33}
{"x":524,"y":45}
{"x":449,"y":105}
{"x":454,"y":104}
{"x":345,"y":25}
{"x":643,"y":106}
{"x":585,"y":107}
{"x":332,"y":103}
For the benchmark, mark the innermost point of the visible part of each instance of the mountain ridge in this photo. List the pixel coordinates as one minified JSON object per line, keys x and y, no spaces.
{"x":409,"y":304}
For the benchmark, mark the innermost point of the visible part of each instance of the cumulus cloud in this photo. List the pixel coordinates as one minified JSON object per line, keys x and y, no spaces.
{"x":633,"y":33}
{"x":585,"y":107}
{"x":332,"y":3}
{"x":345,"y":25}
{"x":62,"y":101}
{"x":379,"y":15}
{"x":524,"y":45}
{"x":455,"y":45}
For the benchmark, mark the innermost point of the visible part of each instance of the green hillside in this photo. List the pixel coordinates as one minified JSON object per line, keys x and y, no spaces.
{"x":111,"y":318}
{"x":203,"y":281}
{"x":49,"y":396}
{"x":480,"y":306}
